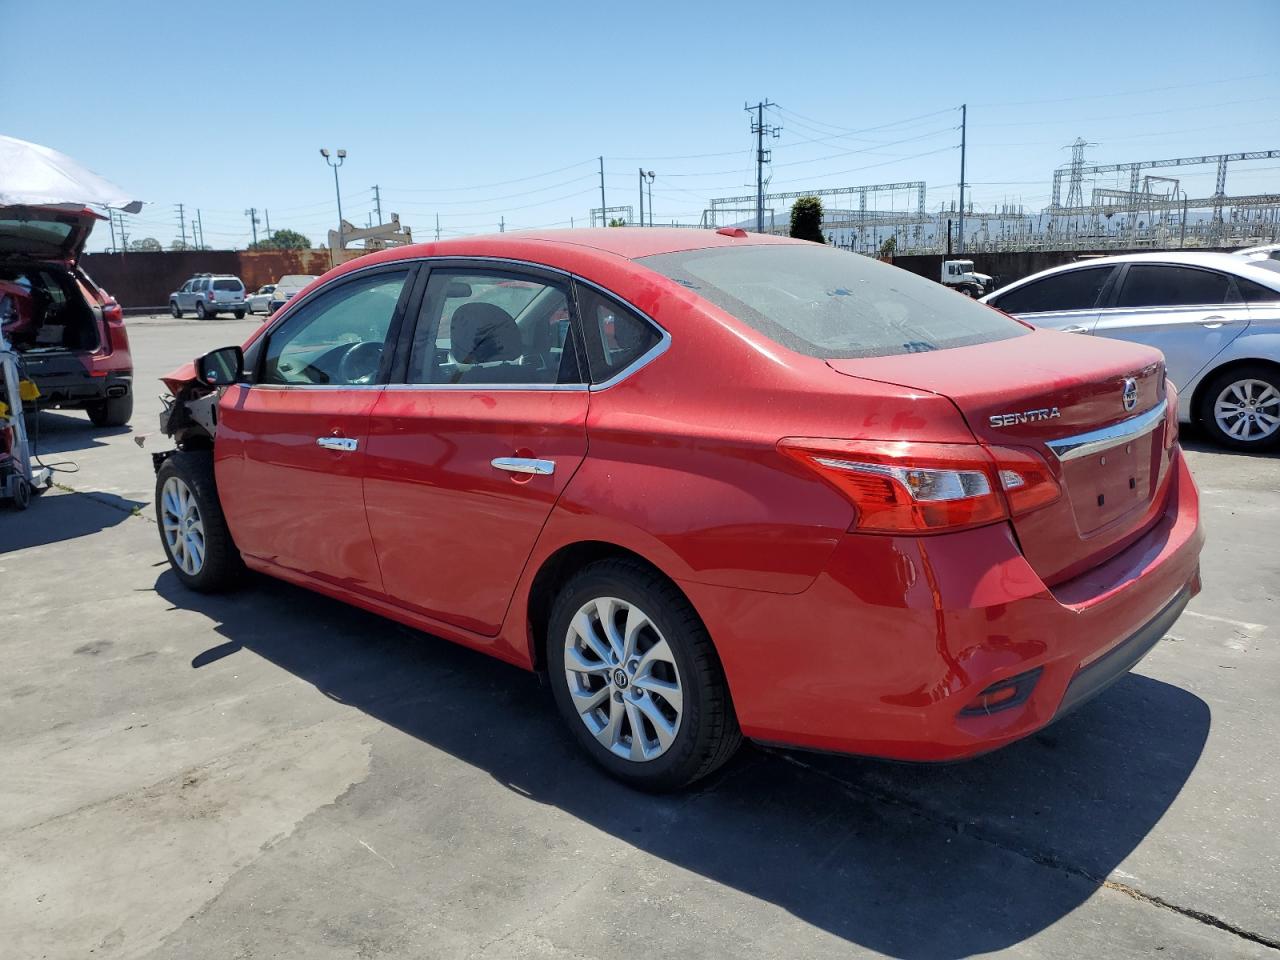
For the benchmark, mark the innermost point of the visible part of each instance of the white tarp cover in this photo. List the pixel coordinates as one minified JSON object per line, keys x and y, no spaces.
{"x":37,"y":176}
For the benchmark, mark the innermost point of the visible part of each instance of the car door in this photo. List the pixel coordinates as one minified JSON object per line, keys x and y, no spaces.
{"x":1067,"y":300}
{"x":470,"y":450}
{"x":1188,"y":313}
{"x":291,"y":445}
{"x":186,"y":298}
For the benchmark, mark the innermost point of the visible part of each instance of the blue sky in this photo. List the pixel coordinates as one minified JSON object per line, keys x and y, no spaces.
{"x":485,"y":111}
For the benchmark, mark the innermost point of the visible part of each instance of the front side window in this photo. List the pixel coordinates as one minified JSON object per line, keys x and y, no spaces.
{"x":831,"y":303}
{"x":1070,"y":290}
{"x":337,"y":339}
{"x":1159,"y":285}
{"x":477,"y":327}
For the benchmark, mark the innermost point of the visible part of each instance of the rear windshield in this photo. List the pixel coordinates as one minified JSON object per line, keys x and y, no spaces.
{"x":833,"y":304}
{"x":228,"y":285}
{"x":34,"y":237}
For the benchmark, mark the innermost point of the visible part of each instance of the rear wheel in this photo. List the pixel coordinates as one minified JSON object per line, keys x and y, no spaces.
{"x":113,"y":412}
{"x":192,"y":528}
{"x":239,"y":314}
{"x":175,"y":309}
{"x":1240,"y":408}
{"x":637,"y":679}
{"x":201,"y":311}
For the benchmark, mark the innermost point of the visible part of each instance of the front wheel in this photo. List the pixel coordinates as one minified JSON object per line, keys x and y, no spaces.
{"x":192,"y":528}
{"x":1240,"y":408}
{"x":637,"y":679}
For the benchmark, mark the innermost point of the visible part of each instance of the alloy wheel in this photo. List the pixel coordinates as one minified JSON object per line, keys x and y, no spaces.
{"x":623,"y":679}
{"x":1248,"y":410}
{"x":183,"y":527}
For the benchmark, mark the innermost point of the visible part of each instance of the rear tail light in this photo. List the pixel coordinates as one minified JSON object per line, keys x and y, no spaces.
{"x":902,"y":487}
{"x":113,"y":313}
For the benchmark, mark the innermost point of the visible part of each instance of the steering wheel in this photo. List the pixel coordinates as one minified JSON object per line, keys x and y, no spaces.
{"x":360,"y":363}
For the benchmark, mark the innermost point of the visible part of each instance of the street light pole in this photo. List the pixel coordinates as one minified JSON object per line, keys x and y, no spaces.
{"x":649,"y":177}
{"x":341,"y":156}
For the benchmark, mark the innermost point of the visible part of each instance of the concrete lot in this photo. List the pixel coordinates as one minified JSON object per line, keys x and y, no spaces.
{"x":272,"y":774}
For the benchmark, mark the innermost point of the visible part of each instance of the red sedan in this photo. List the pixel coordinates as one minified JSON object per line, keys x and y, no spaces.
{"x":714,"y":484}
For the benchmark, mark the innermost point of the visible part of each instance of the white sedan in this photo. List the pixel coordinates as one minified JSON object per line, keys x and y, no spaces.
{"x":259,"y":301}
{"x":1215,"y":316}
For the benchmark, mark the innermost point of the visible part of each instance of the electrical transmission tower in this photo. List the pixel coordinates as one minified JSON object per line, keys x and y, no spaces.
{"x":761,"y":129}
{"x":1075,"y":189}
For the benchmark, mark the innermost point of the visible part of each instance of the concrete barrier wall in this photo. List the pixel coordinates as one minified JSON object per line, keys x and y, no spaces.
{"x":140,"y":281}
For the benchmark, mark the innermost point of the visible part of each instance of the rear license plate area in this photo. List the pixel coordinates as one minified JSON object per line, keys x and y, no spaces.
{"x":1107,"y":486}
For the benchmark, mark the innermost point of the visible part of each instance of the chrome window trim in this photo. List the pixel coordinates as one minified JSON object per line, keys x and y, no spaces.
{"x":488,"y":387}
{"x":1096,"y":441}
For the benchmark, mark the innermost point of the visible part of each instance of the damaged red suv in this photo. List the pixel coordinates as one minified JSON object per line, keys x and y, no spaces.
{"x":68,"y":330}
{"x":715,"y":485}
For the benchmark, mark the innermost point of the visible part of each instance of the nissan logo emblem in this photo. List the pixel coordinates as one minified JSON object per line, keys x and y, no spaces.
{"x":1130,"y":395}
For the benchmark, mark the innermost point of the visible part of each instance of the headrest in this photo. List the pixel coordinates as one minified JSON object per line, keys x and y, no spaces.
{"x":484,"y":333}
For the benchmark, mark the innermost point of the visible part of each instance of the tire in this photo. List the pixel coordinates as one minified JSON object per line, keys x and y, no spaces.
{"x":175,"y":309}
{"x":219,"y":565}
{"x":970,"y":292}
{"x":706,"y":730}
{"x":1251,"y":383}
{"x":113,"y":412}
{"x":239,"y":314}
{"x":21,"y":494}
{"x":201,"y":311}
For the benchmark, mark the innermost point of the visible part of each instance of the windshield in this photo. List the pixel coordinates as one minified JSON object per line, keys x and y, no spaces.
{"x":833,"y":304}
{"x":34,"y":237}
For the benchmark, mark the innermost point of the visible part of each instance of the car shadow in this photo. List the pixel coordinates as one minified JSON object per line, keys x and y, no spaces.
{"x":1195,"y":438}
{"x":63,"y":431}
{"x":913,"y":861}
{"x":55,"y":516}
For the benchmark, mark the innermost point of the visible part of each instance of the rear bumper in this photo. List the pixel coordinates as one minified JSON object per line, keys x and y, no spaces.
{"x":76,"y":379}
{"x":885,"y":651}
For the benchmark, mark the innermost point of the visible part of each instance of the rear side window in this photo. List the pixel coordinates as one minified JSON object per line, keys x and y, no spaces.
{"x":1070,"y":290}
{"x":1158,"y":285}
{"x":227,"y":285}
{"x":616,"y":337}
{"x":833,"y":304}
{"x":1251,"y":292}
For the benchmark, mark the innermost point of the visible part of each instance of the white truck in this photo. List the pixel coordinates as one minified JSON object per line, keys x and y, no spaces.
{"x":959,"y":275}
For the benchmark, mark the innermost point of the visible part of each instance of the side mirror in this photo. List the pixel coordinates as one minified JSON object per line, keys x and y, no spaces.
{"x":221,"y":367}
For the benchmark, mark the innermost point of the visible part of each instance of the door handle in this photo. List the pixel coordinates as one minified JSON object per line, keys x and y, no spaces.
{"x":541,"y":468}
{"x":345,"y":444}
{"x":1075,"y":328}
{"x":1214,"y":322}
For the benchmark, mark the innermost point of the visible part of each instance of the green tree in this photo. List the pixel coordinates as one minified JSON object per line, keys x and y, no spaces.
{"x":806,"y":220}
{"x":888,"y":248}
{"x":282,"y":240}
{"x":617,"y":222}
{"x":145,"y":245}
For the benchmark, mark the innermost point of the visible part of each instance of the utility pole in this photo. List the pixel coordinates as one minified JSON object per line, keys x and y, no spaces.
{"x":760,"y":128}
{"x":437,"y":227}
{"x":182,"y":222}
{"x":964,"y":123}
{"x":603,"y":206}
{"x":111,"y":220}
{"x":377,"y":202}
{"x":252,"y":214}
{"x":502,"y":224}
{"x":200,"y":224}
{"x":267,"y":215}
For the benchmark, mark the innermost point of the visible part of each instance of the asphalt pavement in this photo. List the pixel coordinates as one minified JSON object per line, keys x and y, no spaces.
{"x":273,"y":774}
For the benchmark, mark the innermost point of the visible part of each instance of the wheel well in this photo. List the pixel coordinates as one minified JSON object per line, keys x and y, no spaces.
{"x":1212,"y":375}
{"x":555,"y":572}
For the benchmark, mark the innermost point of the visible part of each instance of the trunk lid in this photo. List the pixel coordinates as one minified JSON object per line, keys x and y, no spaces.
{"x":1062,"y":396}
{"x":56,"y":232}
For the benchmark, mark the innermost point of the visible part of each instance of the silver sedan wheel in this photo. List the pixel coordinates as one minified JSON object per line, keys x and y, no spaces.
{"x":1248,"y":410}
{"x":183,"y":526}
{"x":623,"y":679}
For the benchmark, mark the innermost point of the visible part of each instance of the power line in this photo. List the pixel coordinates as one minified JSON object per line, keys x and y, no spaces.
{"x":1126,"y":93}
